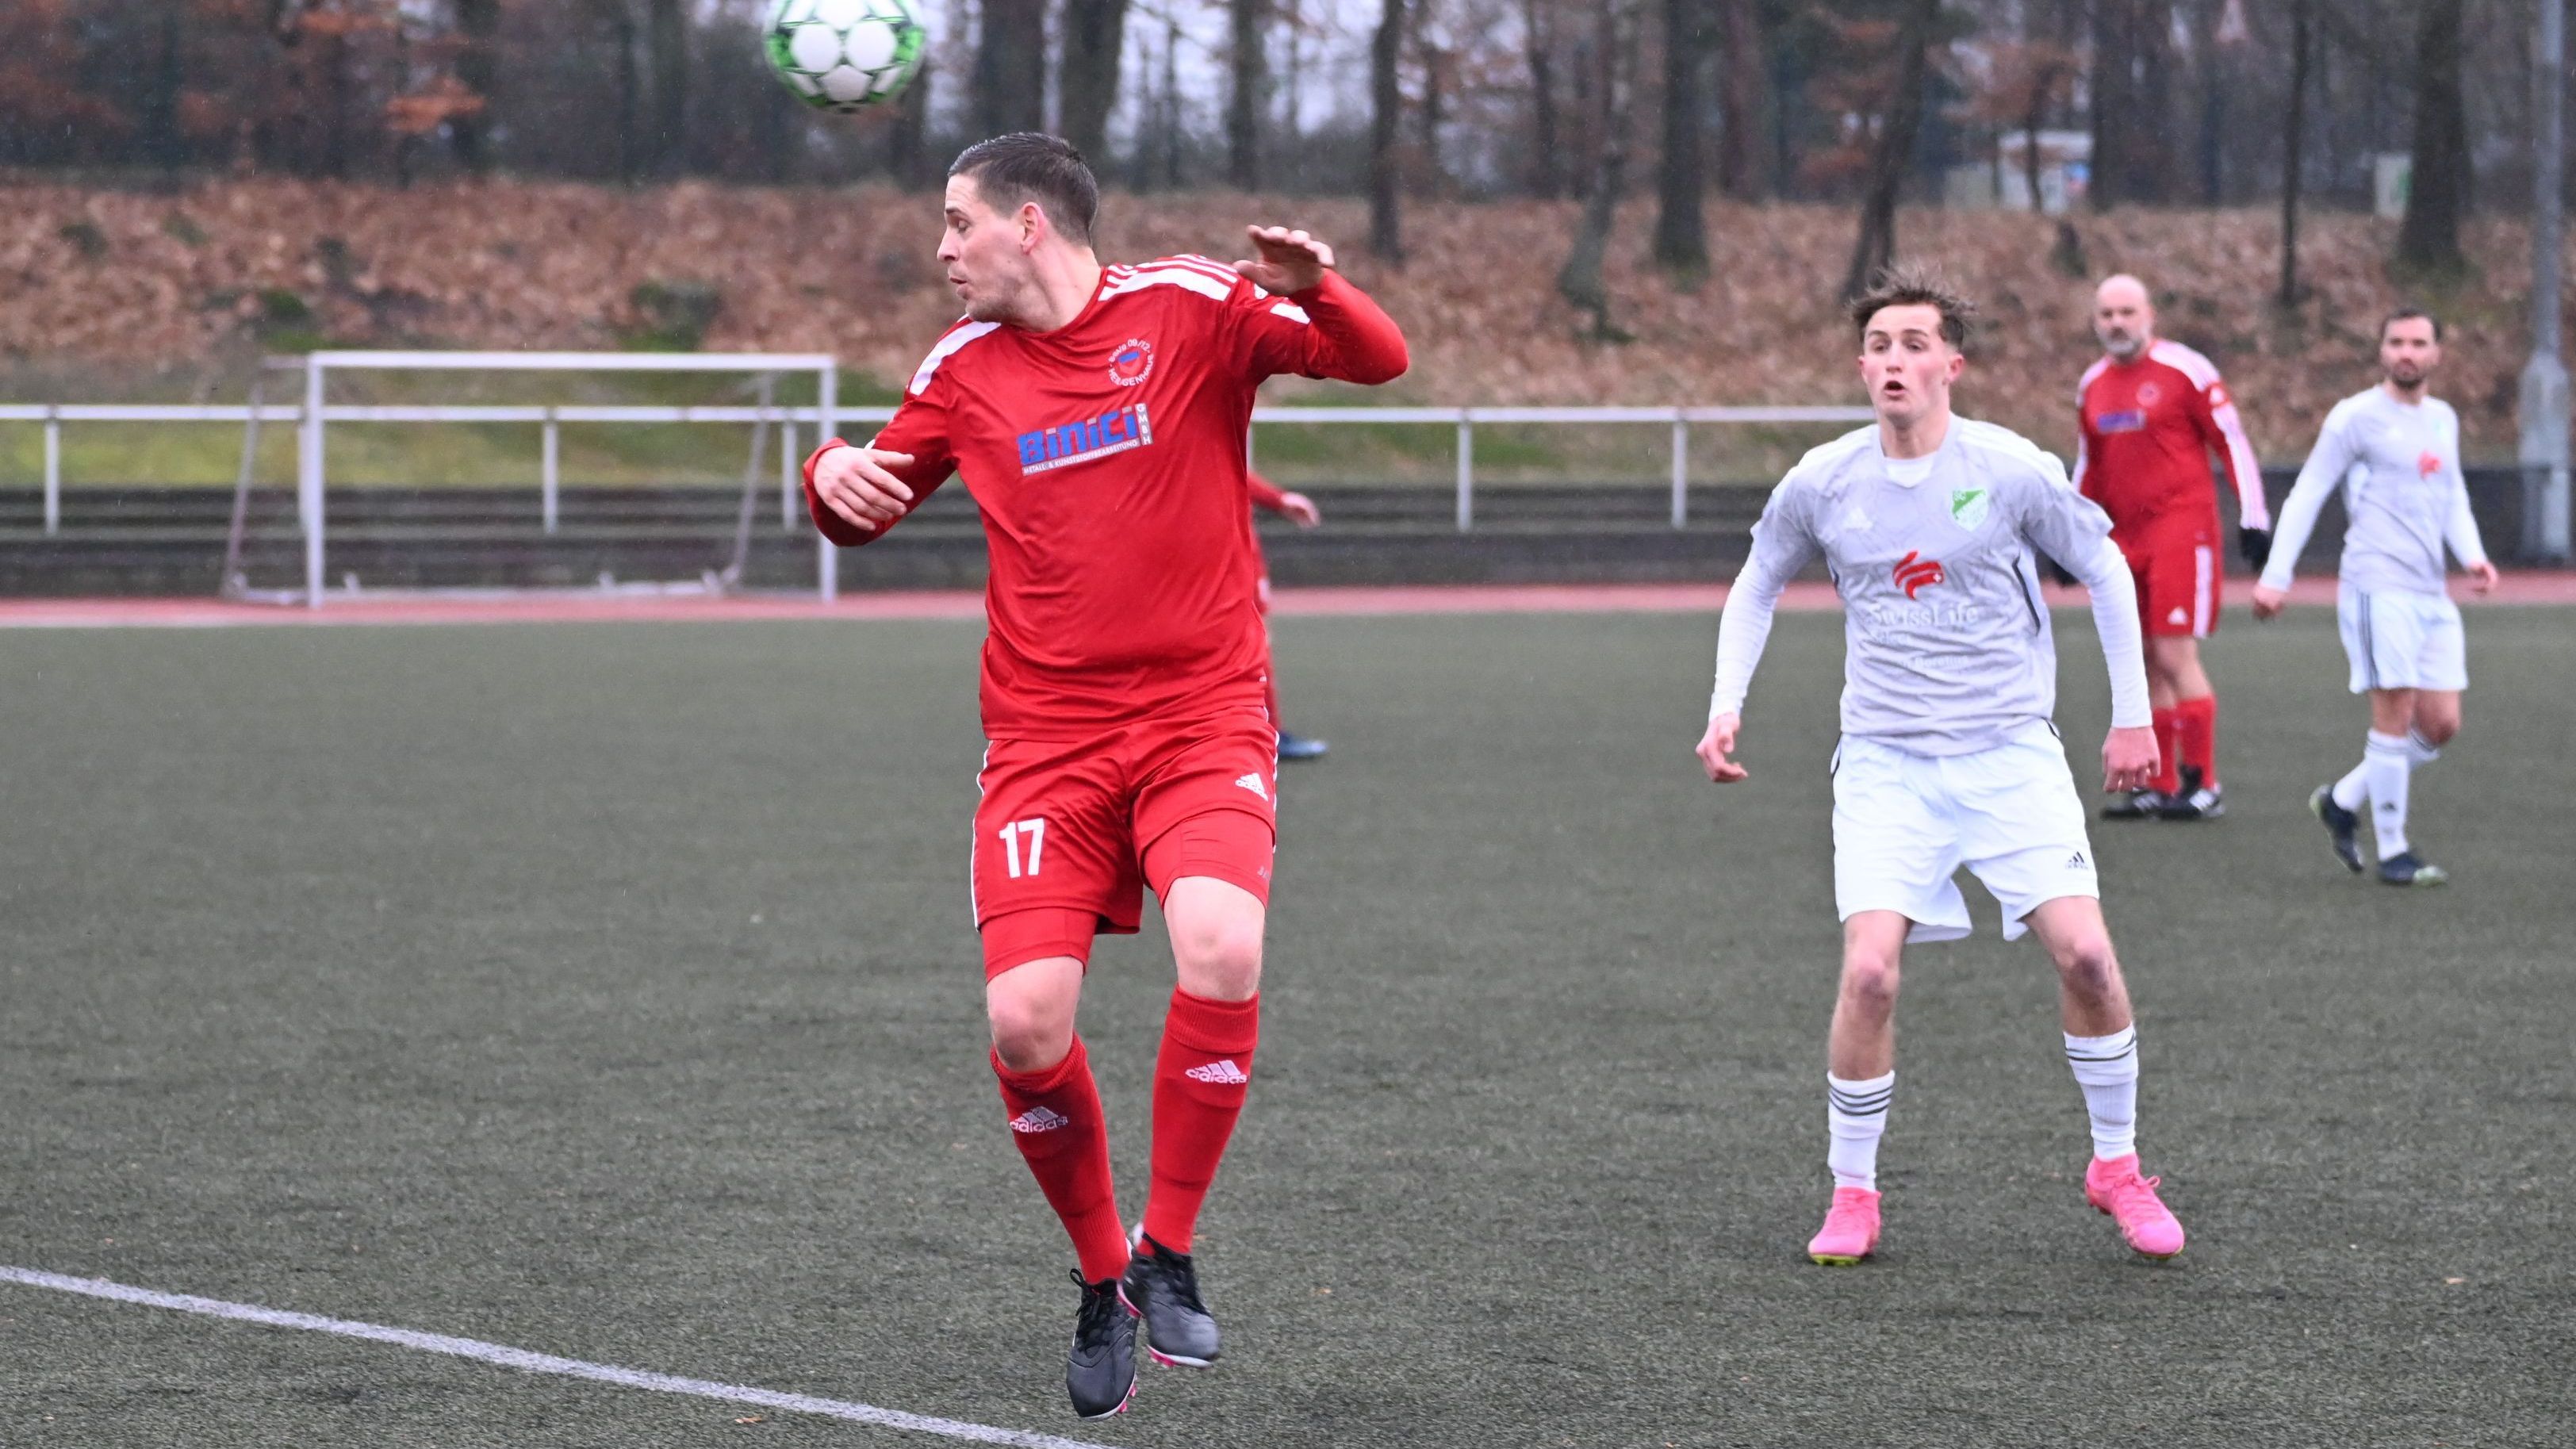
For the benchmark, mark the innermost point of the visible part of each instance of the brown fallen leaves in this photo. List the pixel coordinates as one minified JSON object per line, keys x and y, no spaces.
{"x":128,"y":279}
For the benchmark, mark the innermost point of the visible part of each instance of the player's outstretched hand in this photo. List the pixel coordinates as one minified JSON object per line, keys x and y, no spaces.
{"x":1719,"y":742}
{"x":2486,"y":576}
{"x":854,"y":483}
{"x":2129,"y":759}
{"x":1290,"y":261}
{"x":1300,"y":510}
{"x":2255,"y":544}
{"x":2269,"y":601}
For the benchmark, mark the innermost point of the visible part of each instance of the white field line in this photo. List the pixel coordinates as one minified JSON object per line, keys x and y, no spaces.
{"x":503,"y":1356}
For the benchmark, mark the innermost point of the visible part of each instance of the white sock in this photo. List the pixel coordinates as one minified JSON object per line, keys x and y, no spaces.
{"x":1856,"y":1115}
{"x":2388,"y":766}
{"x":2420,"y":751}
{"x":2354,"y":787}
{"x":2106,"y":1067}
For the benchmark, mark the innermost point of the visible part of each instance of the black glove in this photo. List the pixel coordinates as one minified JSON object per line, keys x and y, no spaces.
{"x":2255,"y":544}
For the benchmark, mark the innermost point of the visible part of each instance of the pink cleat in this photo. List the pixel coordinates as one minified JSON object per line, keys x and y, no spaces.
{"x":1850,"y":1231}
{"x":2114,"y":1187}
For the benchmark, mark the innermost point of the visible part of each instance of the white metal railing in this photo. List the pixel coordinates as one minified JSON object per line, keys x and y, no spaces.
{"x":313,"y":416}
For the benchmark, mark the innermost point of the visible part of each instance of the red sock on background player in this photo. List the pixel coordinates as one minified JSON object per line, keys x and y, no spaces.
{"x":1199,"y":1083}
{"x":2168,"y":723}
{"x":1057,"y":1122}
{"x":2196,"y":730}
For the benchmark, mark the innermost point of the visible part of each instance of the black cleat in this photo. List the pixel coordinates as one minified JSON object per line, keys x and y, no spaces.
{"x":2343,"y":827}
{"x":1100,"y":1373}
{"x":1163,"y":1286}
{"x":2206,"y":803}
{"x":1301,"y":747}
{"x":2403,"y":869}
{"x":2139,"y":805}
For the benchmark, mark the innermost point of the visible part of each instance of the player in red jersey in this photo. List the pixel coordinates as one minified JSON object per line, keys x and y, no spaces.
{"x":1300,"y":510}
{"x":2150,"y":413}
{"x":1098,"y":416}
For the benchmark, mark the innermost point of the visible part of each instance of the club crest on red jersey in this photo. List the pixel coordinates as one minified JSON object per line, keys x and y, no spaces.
{"x":2149,"y":394}
{"x":1132,"y":363}
{"x":1914,"y":573}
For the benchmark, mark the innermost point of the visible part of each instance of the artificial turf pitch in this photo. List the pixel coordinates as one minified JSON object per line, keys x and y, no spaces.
{"x":608,"y":991}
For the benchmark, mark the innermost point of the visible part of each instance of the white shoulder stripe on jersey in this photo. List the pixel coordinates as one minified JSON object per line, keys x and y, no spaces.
{"x":2100,"y":366}
{"x":2190,"y":364}
{"x":1291,"y":311}
{"x":957,"y":337}
{"x":1187,"y":278}
{"x":1209,"y":265}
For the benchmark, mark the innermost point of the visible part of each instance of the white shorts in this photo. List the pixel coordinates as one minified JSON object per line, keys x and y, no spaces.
{"x":2397,"y":639}
{"x":1904,"y":824}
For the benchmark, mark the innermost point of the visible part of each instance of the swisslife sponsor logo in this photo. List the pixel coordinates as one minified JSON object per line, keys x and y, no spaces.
{"x":1915,"y":573}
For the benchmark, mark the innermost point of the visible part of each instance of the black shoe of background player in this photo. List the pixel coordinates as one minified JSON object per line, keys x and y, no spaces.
{"x":2403,"y":869}
{"x":2195,"y":801}
{"x":1100,"y":1373}
{"x":2139,"y":805}
{"x":2343,"y":827}
{"x":1179,"y":1330}
{"x":1301,"y":747}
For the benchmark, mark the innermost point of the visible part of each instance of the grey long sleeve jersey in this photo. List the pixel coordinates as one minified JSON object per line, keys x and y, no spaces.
{"x":1948,"y":647}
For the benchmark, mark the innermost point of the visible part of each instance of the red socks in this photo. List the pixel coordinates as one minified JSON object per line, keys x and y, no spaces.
{"x":1199,"y":1081}
{"x":1056,"y":1120}
{"x":2196,"y":731}
{"x":2168,"y":724}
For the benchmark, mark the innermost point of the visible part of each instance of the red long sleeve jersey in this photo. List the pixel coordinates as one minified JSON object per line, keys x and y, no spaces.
{"x":1107,"y":458}
{"x":2147,"y":429}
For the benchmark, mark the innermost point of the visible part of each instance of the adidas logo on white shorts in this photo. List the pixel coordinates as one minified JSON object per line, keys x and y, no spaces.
{"x":1039,"y":1119}
{"x":1253,"y":783}
{"x":1222,"y":1074}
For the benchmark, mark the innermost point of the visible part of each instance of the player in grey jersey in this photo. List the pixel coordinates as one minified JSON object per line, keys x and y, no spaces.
{"x":2401,"y":631}
{"x":1927,"y":522}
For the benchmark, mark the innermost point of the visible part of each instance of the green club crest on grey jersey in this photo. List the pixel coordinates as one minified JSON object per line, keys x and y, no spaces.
{"x":1968,"y":506}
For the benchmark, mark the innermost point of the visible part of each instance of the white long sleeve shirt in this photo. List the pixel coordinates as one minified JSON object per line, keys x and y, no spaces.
{"x":1947,"y":641}
{"x":2405,"y":499}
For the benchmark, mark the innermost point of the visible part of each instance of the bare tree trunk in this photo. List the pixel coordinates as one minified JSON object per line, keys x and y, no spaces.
{"x":1681,"y":231}
{"x":1247,"y":102}
{"x":2293,"y":135}
{"x":477,"y":63}
{"x":1386,"y":108}
{"x":1580,"y":280}
{"x":1875,"y":248}
{"x":1741,"y":102}
{"x":2429,"y":240}
{"x":1095,"y":32}
{"x":908,"y":139}
{"x":667,"y":23}
{"x":1538,"y":47}
{"x":1010,"y":67}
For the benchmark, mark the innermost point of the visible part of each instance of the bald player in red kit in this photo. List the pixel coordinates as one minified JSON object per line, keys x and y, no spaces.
{"x":2151,"y":413}
{"x":1098,"y":415}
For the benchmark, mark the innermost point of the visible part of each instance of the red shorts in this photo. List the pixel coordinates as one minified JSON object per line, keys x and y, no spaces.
{"x":2178,"y":568}
{"x":1072,"y":832}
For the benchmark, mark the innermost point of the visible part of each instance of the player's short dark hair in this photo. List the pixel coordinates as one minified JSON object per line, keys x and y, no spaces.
{"x":1911,"y":284}
{"x":1026,"y":166}
{"x":2405,"y":314}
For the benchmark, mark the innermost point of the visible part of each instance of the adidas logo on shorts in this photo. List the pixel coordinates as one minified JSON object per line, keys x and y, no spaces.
{"x":1039,"y":1119}
{"x":1252,"y":782}
{"x":1222,"y":1074}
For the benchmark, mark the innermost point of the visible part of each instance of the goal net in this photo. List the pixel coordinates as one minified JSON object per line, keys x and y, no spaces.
{"x":413,"y":475}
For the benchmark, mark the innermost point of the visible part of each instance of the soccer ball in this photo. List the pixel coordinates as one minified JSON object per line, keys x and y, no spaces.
{"x":842,"y":55}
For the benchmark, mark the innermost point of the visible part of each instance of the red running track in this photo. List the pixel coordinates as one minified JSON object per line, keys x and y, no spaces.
{"x":575,"y":606}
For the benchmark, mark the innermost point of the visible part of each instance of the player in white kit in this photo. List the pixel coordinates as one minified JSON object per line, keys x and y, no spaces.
{"x":1927,"y":522}
{"x":2401,"y":631}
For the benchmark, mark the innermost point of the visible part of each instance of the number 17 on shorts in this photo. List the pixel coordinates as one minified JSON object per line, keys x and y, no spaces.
{"x":1024,"y":841}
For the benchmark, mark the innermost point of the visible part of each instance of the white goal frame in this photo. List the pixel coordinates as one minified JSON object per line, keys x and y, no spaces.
{"x":318,"y":413}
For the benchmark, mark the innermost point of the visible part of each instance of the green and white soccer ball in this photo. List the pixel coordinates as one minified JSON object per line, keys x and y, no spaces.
{"x":844,"y":55}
